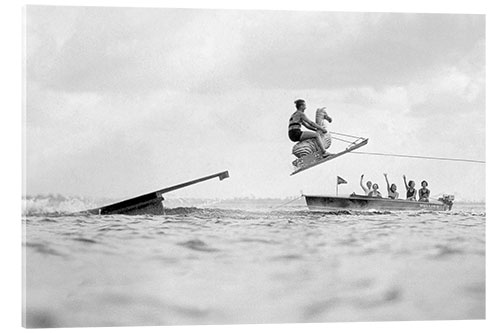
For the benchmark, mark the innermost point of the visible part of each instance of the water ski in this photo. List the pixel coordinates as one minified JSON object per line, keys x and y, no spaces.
{"x":313,"y":159}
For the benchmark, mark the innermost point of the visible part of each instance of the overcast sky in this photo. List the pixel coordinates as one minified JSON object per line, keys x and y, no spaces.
{"x":123,"y":101}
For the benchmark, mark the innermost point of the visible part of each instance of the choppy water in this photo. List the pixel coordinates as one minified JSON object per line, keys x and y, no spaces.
{"x":228,"y":266}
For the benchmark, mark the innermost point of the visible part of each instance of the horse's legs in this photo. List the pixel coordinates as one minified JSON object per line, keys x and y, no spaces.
{"x":313,"y":135}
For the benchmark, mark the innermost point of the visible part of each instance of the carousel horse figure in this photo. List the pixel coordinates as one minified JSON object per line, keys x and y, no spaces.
{"x":310,"y":146}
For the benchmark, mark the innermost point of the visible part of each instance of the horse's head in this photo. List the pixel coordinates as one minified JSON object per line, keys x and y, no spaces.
{"x":321,"y":115}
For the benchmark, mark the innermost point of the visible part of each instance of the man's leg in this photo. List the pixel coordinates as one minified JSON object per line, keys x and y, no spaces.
{"x":313,"y":135}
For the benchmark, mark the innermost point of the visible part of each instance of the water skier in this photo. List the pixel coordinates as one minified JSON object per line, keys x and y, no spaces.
{"x":299,"y":118}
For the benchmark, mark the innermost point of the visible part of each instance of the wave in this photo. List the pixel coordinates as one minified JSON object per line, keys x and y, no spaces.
{"x":50,"y":204}
{"x":202,"y":211}
{"x":55,"y":205}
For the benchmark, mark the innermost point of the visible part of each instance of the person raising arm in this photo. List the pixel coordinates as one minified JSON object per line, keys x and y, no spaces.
{"x":411,"y":192}
{"x":391,"y":190}
{"x":368,"y":186}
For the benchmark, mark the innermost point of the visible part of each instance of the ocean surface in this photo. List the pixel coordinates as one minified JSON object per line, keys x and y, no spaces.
{"x":243,"y":264}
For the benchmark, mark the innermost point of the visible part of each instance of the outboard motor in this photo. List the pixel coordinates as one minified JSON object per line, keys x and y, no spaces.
{"x":447,"y":199}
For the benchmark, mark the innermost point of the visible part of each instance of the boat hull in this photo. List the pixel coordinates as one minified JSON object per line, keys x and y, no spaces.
{"x":361,"y":202}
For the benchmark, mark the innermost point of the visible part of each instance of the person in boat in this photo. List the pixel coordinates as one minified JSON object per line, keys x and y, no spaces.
{"x":424,"y":192}
{"x":391,"y":190}
{"x":411,"y":191}
{"x":299,"y":118}
{"x":374,"y":192}
{"x":368,"y":186}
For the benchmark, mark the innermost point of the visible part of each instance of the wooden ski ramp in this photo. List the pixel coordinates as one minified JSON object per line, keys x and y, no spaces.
{"x":314,"y":159}
{"x":149,"y":203}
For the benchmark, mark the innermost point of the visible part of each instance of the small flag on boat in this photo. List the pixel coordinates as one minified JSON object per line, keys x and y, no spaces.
{"x":341,"y":180}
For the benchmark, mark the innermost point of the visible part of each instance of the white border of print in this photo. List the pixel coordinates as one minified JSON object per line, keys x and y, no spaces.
{"x":11,"y":157}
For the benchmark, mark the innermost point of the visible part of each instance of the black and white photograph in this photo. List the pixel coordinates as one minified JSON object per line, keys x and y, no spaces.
{"x":210,"y":166}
